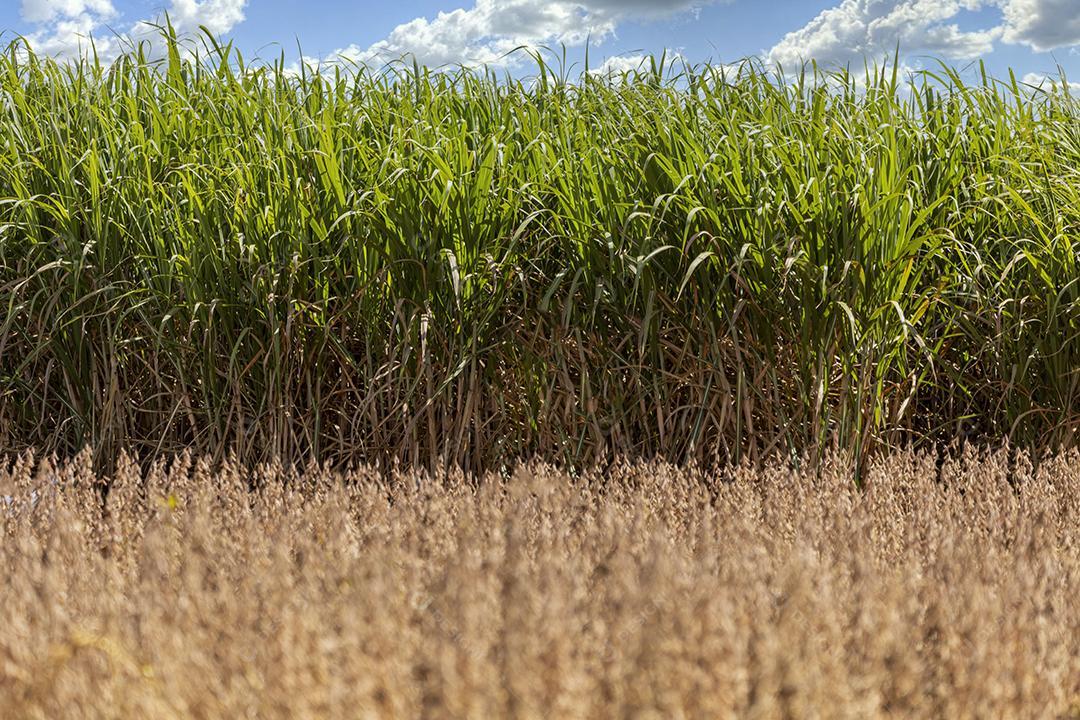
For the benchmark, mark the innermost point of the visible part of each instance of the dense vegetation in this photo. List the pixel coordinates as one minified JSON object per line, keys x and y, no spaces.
{"x":699,"y":263}
{"x":645,"y":592}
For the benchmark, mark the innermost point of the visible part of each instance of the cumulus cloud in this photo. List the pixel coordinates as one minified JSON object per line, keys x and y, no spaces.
{"x":872,"y":28}
{"x":219,"y":16}
{"x":1050,"y":83}
{"x":614,"y":67}
{"x":855,"y":29}
{"x":1042,"y":24}
{"x":187,"y":16}
{"x":486,"y":32}
{"x":64,"y":27}
{"x":43,"y":11}
{"x":619,"y":64}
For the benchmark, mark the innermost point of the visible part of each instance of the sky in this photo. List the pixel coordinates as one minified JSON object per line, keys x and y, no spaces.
{"x":1032,"y":37}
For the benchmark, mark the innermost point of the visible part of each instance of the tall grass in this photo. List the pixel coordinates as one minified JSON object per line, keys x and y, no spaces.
{"x":690,"y":261}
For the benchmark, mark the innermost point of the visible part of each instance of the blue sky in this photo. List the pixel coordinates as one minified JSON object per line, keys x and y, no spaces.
{"x":1031,"y":36}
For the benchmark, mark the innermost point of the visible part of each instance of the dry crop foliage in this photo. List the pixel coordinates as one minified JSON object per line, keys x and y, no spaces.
{"x":641,"y":591}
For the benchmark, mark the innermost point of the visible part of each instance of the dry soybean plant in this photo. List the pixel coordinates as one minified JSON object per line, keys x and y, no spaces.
{"x":940,"y":589}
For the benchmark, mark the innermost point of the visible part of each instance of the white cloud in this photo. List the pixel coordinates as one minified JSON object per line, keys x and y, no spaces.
{"x":219,"y":16}
{"x":486,"y":32}
{"x":1049,"y":83}
{"x":64,"y":27}
{"x":857,"y":29}
{"x":618,"y":64}
{"x":871,"y":29}
{"x":43,"y":11}
{"x":1042,"y":24}
{"x":187,"y":16}
{"x":614,"y":67}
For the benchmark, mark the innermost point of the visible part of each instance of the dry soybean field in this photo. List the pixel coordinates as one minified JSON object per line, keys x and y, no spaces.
{"x":642,"y":591}
{"x":692,"y":391}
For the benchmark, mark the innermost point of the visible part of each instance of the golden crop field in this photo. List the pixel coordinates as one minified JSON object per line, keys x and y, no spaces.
{"x":942,"y":589}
